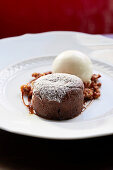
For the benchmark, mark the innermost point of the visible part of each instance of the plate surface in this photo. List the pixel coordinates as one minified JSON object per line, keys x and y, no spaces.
{"x":96,"y":120}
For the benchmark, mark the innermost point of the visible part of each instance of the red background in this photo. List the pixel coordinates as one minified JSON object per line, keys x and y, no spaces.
{"x":32,"y":16}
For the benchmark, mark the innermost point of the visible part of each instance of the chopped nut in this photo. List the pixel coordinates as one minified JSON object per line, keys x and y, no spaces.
{"x":91,"y":91}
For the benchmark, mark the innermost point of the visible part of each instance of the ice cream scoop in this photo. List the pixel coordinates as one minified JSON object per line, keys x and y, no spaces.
{"x":73,"y":62}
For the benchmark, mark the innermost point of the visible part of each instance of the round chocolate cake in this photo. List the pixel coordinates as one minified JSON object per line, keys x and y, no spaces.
{"x":58,"y":96}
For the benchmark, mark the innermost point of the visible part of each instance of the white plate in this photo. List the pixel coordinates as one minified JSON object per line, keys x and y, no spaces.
{"x":96,"y":120}
{"x":14,"y":117}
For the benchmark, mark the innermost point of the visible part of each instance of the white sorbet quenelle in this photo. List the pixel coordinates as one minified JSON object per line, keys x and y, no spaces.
{"x":73,"y":62}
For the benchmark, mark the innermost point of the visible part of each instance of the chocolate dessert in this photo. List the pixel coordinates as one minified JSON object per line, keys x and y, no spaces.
{"x":58,"y":96}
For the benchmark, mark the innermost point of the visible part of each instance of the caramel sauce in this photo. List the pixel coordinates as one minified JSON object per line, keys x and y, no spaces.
{"x":27,"y":90}
{"x":86,"y":104}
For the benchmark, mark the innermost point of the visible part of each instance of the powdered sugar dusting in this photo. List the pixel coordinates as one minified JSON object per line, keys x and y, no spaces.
{"x":55,"y":86}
